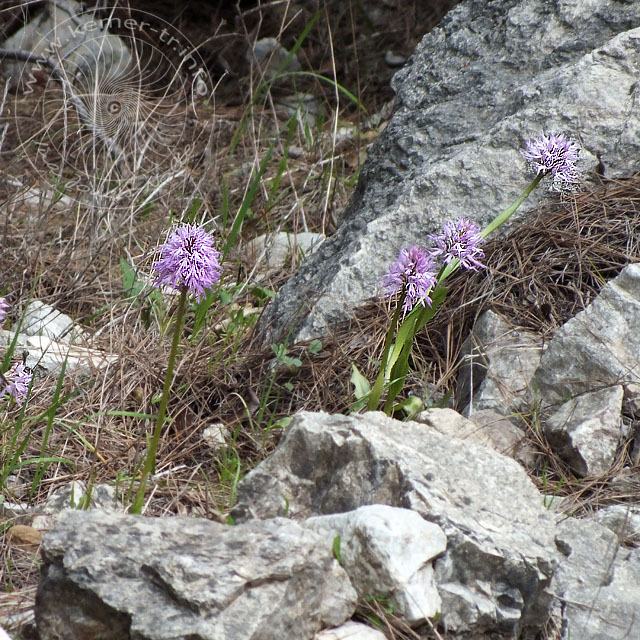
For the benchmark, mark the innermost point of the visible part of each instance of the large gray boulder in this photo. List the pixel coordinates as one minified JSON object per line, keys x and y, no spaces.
{"x":493,"y":74}
{"x":109,"y":576}
{"x":500,"y":547}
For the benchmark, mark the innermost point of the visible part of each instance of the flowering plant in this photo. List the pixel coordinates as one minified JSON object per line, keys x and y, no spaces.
{"x":421,"y":290}
{"x":189,"y":263}
{"x":15,"y":383}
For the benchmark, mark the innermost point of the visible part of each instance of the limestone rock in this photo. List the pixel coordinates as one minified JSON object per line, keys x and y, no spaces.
{"x":586,"y":430}
{"x":596,"y":583}
{"x":491,"y":75}
{"x":599,"y":347}
{"x":51,"y":339}
{"x":49,"y":355}
{"x":119,"y":577}
{"x":271,"y":251}
{"x":498,"y":365}
{"x":388,"y":552}
{"x":350,"y":631}
{"x":623,"y":520}
{"x":500,"y":551}
{"x":216,"y":437}
{"x":485,"y":427}
{"x":41,"y":319}
{"x":74,"y":495}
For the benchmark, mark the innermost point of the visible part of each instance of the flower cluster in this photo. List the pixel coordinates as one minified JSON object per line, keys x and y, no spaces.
{"x":554,"y":155}
{"x":16,"y":382}
{"x":459,"y":240}
{"x":188,"y":259}
{"x":414,"y":273}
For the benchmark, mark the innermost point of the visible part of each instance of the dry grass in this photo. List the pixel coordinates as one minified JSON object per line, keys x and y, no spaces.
{"x":69,"y":256}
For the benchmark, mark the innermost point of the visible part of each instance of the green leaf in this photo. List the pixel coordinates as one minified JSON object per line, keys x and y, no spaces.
{"x":281,"y":423}
{"x":336,"y":549}
{"x":315,"y":346}
{"x":404,"y":336}
{"x":398,"y":375}
{"x":131,"y":286}
{"x":292,"y":362}
{"x":411,"y":406}
{"x":262,"y":293}
{"x":361,"y":385}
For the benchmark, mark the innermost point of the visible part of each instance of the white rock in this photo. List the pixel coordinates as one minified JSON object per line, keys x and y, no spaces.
{"x":5,"y":636}
{"x":351,"y":631}
{"x":500,"y":551}
{"x":75,"y":496}
{"x":272,"y":250}
{"x":623,"y":520}
{"x":41,"y":319}
{"x":388,"y":551}
{"x":598,"y":347}
{"x":597,"y":583}
{"x":50,"y":355}
{"x":394,"y":59}
{"x":215,"y":436}
{"x":305,"y":106}
{"x":188,"y":578}
{"x":81,"y":47}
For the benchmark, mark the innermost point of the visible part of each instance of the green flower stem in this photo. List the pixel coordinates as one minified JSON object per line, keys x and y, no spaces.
{"x":150,"y":462}
{"x":501,"y":218}
{"x":376,"y":391}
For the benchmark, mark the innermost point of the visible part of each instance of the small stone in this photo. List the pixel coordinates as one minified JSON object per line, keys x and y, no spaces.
{"x":41,"y":319}
{"x":271,"y":58}
{"x":215,"y":436}
{"x":393,"y":59}
{"x":350,"y":631}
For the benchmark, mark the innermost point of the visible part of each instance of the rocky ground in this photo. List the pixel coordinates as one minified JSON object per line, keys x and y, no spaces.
{"x":517,"y":520}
